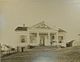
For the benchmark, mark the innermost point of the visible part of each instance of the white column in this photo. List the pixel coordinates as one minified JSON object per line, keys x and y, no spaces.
{"x":49,"y":38}
{"x":28,"y":38}
{"x":38,"y":38}
{"x":57,"y":38}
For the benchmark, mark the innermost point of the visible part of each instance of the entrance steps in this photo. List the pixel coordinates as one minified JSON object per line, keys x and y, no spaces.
{"x":42,"y":48}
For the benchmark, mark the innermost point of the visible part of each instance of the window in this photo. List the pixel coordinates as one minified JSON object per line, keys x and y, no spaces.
{"x":33,"y":37}
{"x":60,"y":41}
{"x":22,"y":38}
{"x":52,"y":37}
{"x":60,"y":38}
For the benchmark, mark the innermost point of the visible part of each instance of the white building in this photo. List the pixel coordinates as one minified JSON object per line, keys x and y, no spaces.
{"x":5,"y":49}
{"x":76,"y":41}
{"x":40,"y":35}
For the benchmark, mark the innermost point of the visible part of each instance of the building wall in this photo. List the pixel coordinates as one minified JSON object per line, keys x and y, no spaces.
{"x":19,"y":34}
{"x":32,"y":36}
{"x":63,"y":41}
{"x":34,"y":41}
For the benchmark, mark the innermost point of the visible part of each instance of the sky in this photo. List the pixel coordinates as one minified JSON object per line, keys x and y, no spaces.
{"x":61,"y":13}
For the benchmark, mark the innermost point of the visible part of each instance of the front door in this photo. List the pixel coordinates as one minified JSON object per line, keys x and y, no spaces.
{"x":42,"y":40}
{"x":22,"y":49}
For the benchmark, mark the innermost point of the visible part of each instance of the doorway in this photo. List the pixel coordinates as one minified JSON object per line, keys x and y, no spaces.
{"x":42,"y":40}
{"x":22,"y":49}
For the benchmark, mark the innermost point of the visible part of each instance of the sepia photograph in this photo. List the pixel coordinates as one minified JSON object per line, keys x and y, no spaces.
{"x":39,"y":30}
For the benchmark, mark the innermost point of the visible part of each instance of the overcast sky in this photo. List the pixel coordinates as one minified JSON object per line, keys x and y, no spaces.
{"x":61,"y":13}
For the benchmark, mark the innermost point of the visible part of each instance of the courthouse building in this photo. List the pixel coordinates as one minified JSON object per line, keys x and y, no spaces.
{"x":40,"y":35}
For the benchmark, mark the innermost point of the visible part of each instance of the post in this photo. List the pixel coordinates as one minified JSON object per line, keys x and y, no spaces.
{"x":57,"y":38}
{"x":28,"y":38}
{"x":49,"y":38}
{"x":38,"y":38}
{"x":18,"y":49}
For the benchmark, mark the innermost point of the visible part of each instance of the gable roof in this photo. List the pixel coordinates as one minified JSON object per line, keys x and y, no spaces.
{"x":61,"y":30}
{"x":71,"y":41}
{"x":21,"y":28}
{"x":41,"y":25}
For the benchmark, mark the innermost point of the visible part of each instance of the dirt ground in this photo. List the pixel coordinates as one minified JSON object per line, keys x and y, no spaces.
{"x":71,"y":54}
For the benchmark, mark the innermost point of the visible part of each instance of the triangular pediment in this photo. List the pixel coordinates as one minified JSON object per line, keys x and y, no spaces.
{"x":41,"y":25}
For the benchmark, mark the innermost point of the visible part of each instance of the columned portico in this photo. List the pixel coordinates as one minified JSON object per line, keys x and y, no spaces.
{"x":42,"y":39}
